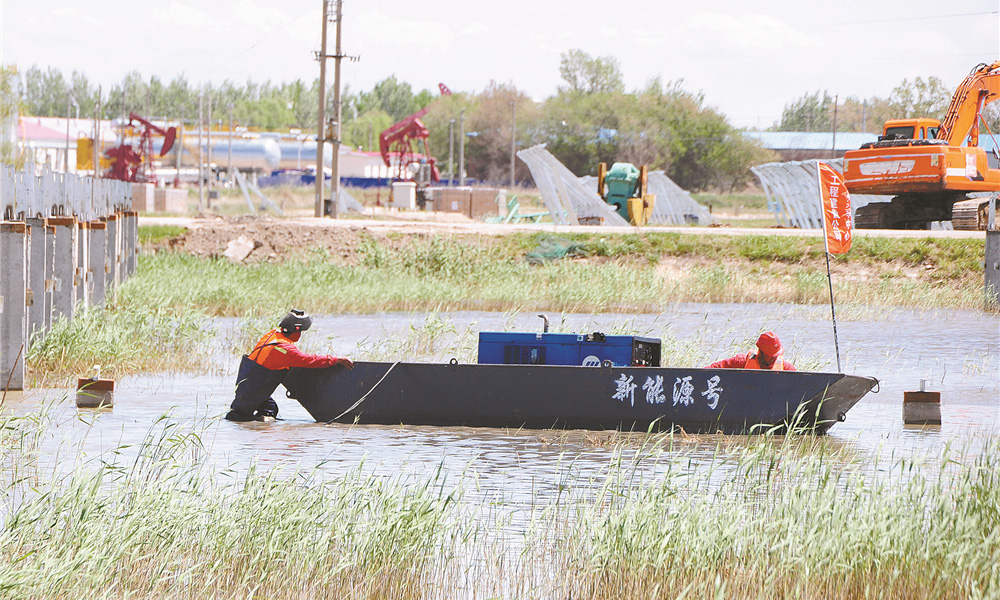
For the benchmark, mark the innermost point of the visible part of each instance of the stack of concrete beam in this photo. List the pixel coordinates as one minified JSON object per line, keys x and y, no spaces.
{"x":569,"y":201}
{"x":792,"y":190}
{"x":66,"y":242}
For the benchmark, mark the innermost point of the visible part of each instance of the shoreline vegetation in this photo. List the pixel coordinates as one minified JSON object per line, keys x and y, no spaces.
{"x":767,"y":517}
{"x":357,"y":271}
{"x":160,"y":319}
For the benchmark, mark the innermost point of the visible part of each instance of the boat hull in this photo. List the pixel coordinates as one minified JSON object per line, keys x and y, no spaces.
{"x":576,"y":397}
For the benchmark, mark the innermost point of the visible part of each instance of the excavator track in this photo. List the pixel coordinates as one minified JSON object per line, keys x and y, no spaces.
{"x":971,"y":214}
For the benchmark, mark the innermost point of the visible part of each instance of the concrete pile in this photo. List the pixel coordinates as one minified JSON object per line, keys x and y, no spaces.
{"x":66,"y":242}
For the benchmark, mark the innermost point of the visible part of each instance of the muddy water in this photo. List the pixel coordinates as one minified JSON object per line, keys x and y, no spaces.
{"x":954,"y":352}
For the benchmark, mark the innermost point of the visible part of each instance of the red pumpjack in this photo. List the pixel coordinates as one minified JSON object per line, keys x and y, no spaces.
{"x":398,"y":141}
{"x":128,"y":164}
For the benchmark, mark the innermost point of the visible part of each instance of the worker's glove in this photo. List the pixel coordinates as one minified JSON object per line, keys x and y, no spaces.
{"x":346,"y":363}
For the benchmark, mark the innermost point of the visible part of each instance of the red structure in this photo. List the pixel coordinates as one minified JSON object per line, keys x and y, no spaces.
{"x":131,"y":164}
{"x":399,"y":140}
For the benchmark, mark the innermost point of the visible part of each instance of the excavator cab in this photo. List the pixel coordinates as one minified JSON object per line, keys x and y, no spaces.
{"x":910,"y":129}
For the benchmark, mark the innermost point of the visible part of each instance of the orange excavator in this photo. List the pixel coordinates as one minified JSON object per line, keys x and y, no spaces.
{"x":934,"y":170}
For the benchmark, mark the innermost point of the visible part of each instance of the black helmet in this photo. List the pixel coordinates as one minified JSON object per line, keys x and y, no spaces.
{"x":295,"y":321}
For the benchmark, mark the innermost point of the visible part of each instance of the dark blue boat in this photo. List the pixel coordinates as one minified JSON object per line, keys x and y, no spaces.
{"x":604,"y":396}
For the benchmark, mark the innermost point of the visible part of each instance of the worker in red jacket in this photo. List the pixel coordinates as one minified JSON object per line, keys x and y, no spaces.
{"x":768,"y":356}
{"x":267,"y":364}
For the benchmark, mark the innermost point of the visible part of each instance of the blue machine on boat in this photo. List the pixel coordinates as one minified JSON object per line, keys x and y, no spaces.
{"x":592,"y":349}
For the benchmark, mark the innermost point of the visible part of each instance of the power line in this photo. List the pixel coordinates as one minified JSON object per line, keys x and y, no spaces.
{"x":904,"y":19}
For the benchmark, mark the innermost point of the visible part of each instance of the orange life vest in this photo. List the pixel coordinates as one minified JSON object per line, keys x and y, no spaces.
{"x":753,"y":363}
{"x":267,"y":345}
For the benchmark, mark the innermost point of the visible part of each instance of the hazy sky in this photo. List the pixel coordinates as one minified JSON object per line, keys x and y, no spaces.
{"x":748,"y":58}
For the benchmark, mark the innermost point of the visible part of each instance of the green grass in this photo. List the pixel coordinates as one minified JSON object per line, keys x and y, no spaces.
{"x":122,"y":341}
{"x":629,"y":273}
{"x":764,"y":517}
{"x":727,"y":202}
{"x":157,"y":320}
{"x":156,"y":234}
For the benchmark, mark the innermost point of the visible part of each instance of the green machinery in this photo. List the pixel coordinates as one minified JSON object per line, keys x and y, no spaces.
{"x":624,"y":188}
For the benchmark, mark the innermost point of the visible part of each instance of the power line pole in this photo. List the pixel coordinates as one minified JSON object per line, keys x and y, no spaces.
{"x":208,"y":149}
{"x":513,"y":138}
{"x":335,"y":129}
{"x":461,"y":148}
{"x":451,"y":152}
{"x":320,"y":135}
{"x":229,"y":165}
{"x":835,"y":98}
{"x":201,"y":156}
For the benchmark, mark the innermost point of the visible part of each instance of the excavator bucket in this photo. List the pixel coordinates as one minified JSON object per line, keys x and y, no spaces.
{"x":168,"y":141}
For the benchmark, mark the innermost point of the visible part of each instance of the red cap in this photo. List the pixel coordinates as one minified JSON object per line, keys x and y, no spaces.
{"x":769,"y":344}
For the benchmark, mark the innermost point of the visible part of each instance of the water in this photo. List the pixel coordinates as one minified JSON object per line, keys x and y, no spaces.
{"x":955,"y":352}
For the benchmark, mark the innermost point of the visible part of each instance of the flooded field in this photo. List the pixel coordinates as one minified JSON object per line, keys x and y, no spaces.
{"x":161,"y":497}
{"x":954,"y":352}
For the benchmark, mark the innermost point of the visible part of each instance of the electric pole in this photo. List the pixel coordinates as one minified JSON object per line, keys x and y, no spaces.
{"x":320,"y":134}
{"x":335,"y":129}
{"x":513,"y":138}
{"x":201,"y":156}
{"x":451,"y":153}
{"x":461,"y":148}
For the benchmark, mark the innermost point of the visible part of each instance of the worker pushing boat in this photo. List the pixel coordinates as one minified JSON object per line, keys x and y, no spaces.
{"x":578,"y":381}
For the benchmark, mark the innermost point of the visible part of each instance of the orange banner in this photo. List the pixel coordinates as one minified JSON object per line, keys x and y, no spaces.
{"x":837,"y":221}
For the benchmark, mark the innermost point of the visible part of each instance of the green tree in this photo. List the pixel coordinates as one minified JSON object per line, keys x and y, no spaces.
{"x":11,"y":106}
{"x":920,"y":98}
{"x":811,"y":112}
{"x":586,"y":74}
{"x":45,"y":92}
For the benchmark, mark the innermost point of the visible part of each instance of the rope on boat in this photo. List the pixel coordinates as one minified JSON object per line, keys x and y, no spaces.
{"x":362,"y":398}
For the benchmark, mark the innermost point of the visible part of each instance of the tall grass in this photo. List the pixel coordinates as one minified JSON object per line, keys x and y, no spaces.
{"x":122,"y":340}
{"x":779,"y":523}
{"x":768,"y":517}
{"x":164,"y":526}
{"x":623,"y":273}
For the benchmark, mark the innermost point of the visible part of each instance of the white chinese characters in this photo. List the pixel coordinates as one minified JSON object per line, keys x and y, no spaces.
{"x":626,"y":389}
{"x":683,"y":392}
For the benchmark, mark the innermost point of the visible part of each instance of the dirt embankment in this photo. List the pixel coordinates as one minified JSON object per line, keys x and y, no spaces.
{"x":255,"y":239}
{"x":265,"y":239}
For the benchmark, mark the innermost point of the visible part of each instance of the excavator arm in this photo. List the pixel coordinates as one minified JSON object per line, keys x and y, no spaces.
{"x":961,"y":122}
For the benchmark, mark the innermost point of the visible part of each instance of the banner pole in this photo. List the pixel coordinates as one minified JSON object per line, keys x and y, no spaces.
{"x":829,"y":275}
{"x":833,"y":313}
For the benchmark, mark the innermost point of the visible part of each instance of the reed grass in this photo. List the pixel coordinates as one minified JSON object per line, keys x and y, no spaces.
{"x":123,"y":340}
{"x":624,"y":273}
{"x":778,"y":523}
{"x":768,"y":517}
{"x":163,"y":526}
